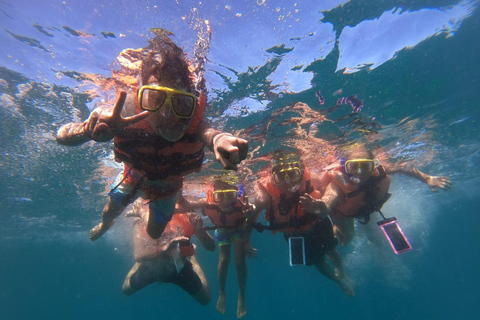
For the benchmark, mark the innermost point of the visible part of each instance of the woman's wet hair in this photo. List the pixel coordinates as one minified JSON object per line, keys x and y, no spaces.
{"x":222,"y":185}
{"x":349,"y":152}
{"x":164,"y":60}
{"x":284,"y":159}
{"x":281,"y":156}
{"x":225,"y":181}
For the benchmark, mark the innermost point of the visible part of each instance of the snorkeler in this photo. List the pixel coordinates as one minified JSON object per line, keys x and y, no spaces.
{"x":358,"y":187}
{"x":159,"y":134}
{"x":281,"y":190}
{"x":171,"y":258}
{"x":222,"y":205}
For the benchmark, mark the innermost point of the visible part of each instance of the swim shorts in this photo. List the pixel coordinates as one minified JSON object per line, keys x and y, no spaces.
{"x":163,"y":208}
{"x":224,"y":236}
{"x":187,"y":279}
{"x":318,"y":240}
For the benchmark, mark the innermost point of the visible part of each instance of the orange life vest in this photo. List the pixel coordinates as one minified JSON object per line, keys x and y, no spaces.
{"x":361,"y":201}
{"x":286,"y":214}
{"x":180,"y":224}
{"x":223,"y":219}
{"x":139,"y":147}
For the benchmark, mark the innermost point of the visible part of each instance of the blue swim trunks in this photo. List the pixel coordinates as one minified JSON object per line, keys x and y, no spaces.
{"x":225,"y":237}
{"x":162,"y":208}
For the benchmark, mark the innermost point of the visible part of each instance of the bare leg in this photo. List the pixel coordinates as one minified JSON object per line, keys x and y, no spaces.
{"x":223,"y":262}
{"x":340,"y":275}
{"x":326,"y":270}
{"x":374,"y":233}
{"x":241,"y":265}
{"x":376,"y":237}
{"x":127,"y":288}
{"x":143,"y":277}
{"x":203,"y":295}
{"x":164,"y":207}
{"x":344,"y":228}
{"x":110,"y":212}
{"x":155,"y":229}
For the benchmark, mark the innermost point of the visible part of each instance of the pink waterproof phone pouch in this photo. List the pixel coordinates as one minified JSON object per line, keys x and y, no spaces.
{"x":395,"y":235}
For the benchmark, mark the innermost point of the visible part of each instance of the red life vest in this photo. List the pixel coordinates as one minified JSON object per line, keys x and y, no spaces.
{"x":221,"y":219}
{"x":286,"y":214}
{"x":139,"y":147}
{"x":367,"y":196}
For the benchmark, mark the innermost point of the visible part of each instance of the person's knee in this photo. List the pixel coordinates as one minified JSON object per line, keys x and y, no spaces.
{"x":224,"y":260}
{"x":202,"y":296}
{"x":155,"y":230}
{"x":127,"y":288}
{"x":136,"y":280}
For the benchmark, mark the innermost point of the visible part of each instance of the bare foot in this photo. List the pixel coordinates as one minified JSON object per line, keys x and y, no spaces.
{"x":221,"y":304}
{"x":241,"y":307}
{"x":99,"y":230}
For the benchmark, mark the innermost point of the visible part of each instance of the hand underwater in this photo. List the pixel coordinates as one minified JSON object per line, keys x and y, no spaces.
{"x":441,"y":182}
{"x":229,"y":150}
{"x":173,"y":243}
{"x":250,"y":251}
{"x":313,"y":206}
{"x":195,"y":220}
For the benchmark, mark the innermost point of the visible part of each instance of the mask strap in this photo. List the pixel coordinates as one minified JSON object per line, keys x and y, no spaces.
{"x":240,"y":191}
{"x":342,"y":164}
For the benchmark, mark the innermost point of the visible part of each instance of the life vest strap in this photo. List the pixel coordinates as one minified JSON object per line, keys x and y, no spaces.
{"x":294,"y":222}
{"x":363,"y":215}
{"x":236,"y":228}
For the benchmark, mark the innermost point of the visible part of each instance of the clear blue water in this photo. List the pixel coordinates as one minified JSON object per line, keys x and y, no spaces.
{"x":414,"y":63}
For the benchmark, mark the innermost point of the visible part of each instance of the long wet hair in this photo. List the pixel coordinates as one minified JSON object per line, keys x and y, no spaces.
{"x":164,"y":60}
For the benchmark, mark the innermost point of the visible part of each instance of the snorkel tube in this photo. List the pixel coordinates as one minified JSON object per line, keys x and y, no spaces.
{"x":240,"y":191}
{"x":342,"y":164}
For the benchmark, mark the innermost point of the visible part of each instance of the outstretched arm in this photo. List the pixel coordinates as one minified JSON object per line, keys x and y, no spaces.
{"x":228,"y":149}
{"x":434,"y":182}
{"x":100,"y":126}
{"x":205,"y":238}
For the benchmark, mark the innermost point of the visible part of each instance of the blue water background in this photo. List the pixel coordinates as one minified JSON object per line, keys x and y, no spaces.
{"x":415,"y":64}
